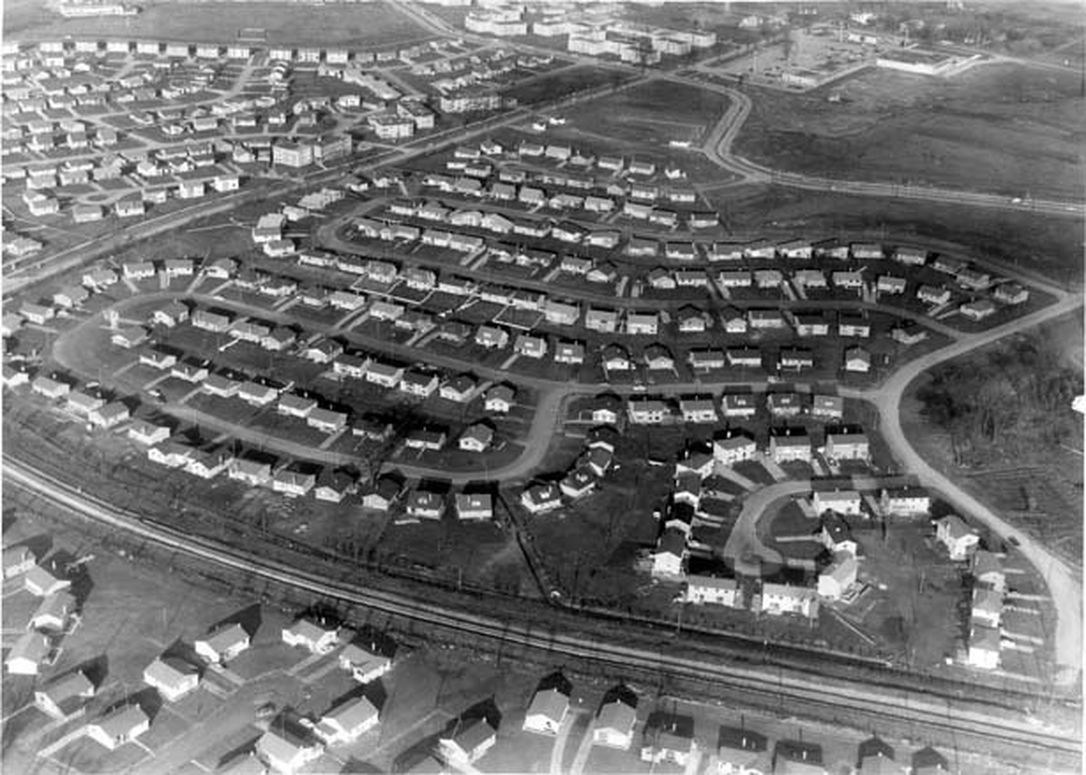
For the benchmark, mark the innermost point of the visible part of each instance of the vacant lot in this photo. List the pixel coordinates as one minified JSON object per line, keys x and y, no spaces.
{"x":653,"y":113}
{"x":374,"y":25}
{"x":1001,"y":128}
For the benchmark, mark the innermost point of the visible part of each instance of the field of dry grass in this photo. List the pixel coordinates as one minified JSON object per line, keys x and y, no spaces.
{"x":1001,"y":128}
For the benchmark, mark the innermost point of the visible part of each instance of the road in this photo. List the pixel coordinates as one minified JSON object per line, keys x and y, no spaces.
{"x":911,"y":707}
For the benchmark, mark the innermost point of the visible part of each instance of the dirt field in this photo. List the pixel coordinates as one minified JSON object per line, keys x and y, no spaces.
{"x":1000,"y":128}
{"x":373,"y":25}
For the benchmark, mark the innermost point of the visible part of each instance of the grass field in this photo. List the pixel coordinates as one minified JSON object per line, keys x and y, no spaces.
{"x":1001,"y":128}
{"x":1051,"y":246}
{"x":369,"y":25}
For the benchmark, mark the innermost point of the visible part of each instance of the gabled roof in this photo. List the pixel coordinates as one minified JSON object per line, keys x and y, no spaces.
{"x":550,"y":703}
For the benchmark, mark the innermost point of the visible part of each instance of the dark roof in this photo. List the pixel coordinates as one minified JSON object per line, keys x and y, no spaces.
{"x":742,"y":739}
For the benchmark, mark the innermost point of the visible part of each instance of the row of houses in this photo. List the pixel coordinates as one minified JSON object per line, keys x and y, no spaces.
{"x":55,"y":616}
{"x":236,"y":51}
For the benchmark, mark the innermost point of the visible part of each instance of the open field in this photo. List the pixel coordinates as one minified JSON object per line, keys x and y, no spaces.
{"x":1030,"y":241}
{"x":568,"y":81}
{"x":999,"y":128}
{"x":372,"y":25}
{"x":651,"y":114}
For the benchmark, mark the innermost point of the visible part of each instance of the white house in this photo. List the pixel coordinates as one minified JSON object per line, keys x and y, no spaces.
{"x":121,"y":726}
{"x":318,"y":638}
{"x":348,"y":721}
{"x":285,"y":752}
{"x":614,"y":725}
{"x":224,"y":644}
{"x":780,"y":599}
{"x":27,"y":653}
{"x":470,"y":741}
{"x":363,"y":665}
{"x":838,"y":577}
{"x":172,"y":677}
{"x":959,"y":539}
{"x":548,"y":709}
{"x":712,"y":590}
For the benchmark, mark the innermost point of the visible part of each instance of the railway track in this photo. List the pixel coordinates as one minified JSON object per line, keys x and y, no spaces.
{"x":900,"y":705}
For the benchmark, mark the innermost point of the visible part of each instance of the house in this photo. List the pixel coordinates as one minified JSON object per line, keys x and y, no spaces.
{"x":293,"y":483}
{"x":431,"y":440}
{"x":541,"y":498}
{"x":784,"y":404}
{"x":698,"y":410}
{"x":834,"y":532}
{"x":208,"y":463}
{"x":712,"y":590}
{"x":500,"y":398}
{"x":978,"y":309}
{"x":41,"y":583}
{"x":668,"y":738}
{"x":469,"y":741}
{"x":647,"y":412}
{"x":658,"y":358}
{"x":742,"y":405}
{"x":530,"y":346}
{"x":934,"y":295}
{"x":808,"y":324}
{"x":744,"y":357}
{"x":579,"y":482}
{"x":419,"y":383}
{"x":569,"y":353}
{"x":491,"y":337}
{"x":319,"y":638}
{"x":890,"y":285}
{"x":348,"y":721}
{"x":423,"y":504}
{"x":987,"y":570}
{"x":71,"y":296}
{"x":983,"y":647}
{"x":472,"y":506}
{"x":286,"y":752}
{"x":857,"y":360}
{"x":476,"y":438}
{"x":853,"y":325}
{"x":173,"y":678}
{"x":959,"y":539}
{"x":65,"y":697}
{"x":795,"y":358}
{"x":53,"y":613}
{"x":733,"y":446}
{"x":256,"y":394}
{"x":118,"y":727}
{"x":333,"y":486}
{"x":1011,"y":292}
{"x":36,"y":313}
{"x":905,"y":501}
{"x":794,"y":757}
{"x":827,"y":407}
{"x":129,"y":337}
{"x":223,"y":644}
{"x":27,"y":653}
{"x":741,"y":751}
{"x":788,"y":444}
{"x":987,"y":606}
{"x":50,"y":388}
{"x":838,"y":577}
{"x":705,"y":360}
{"x":643,"y":324}
{"x":670,"y":554}
{"x":614,"y":724}
{"x":847,"y":444}
{"x":17,"y":560}
{"x":109,"y":415}
{"x":547,"y":712}
{"x":779,"y":599}
{"x":364,"y":665}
